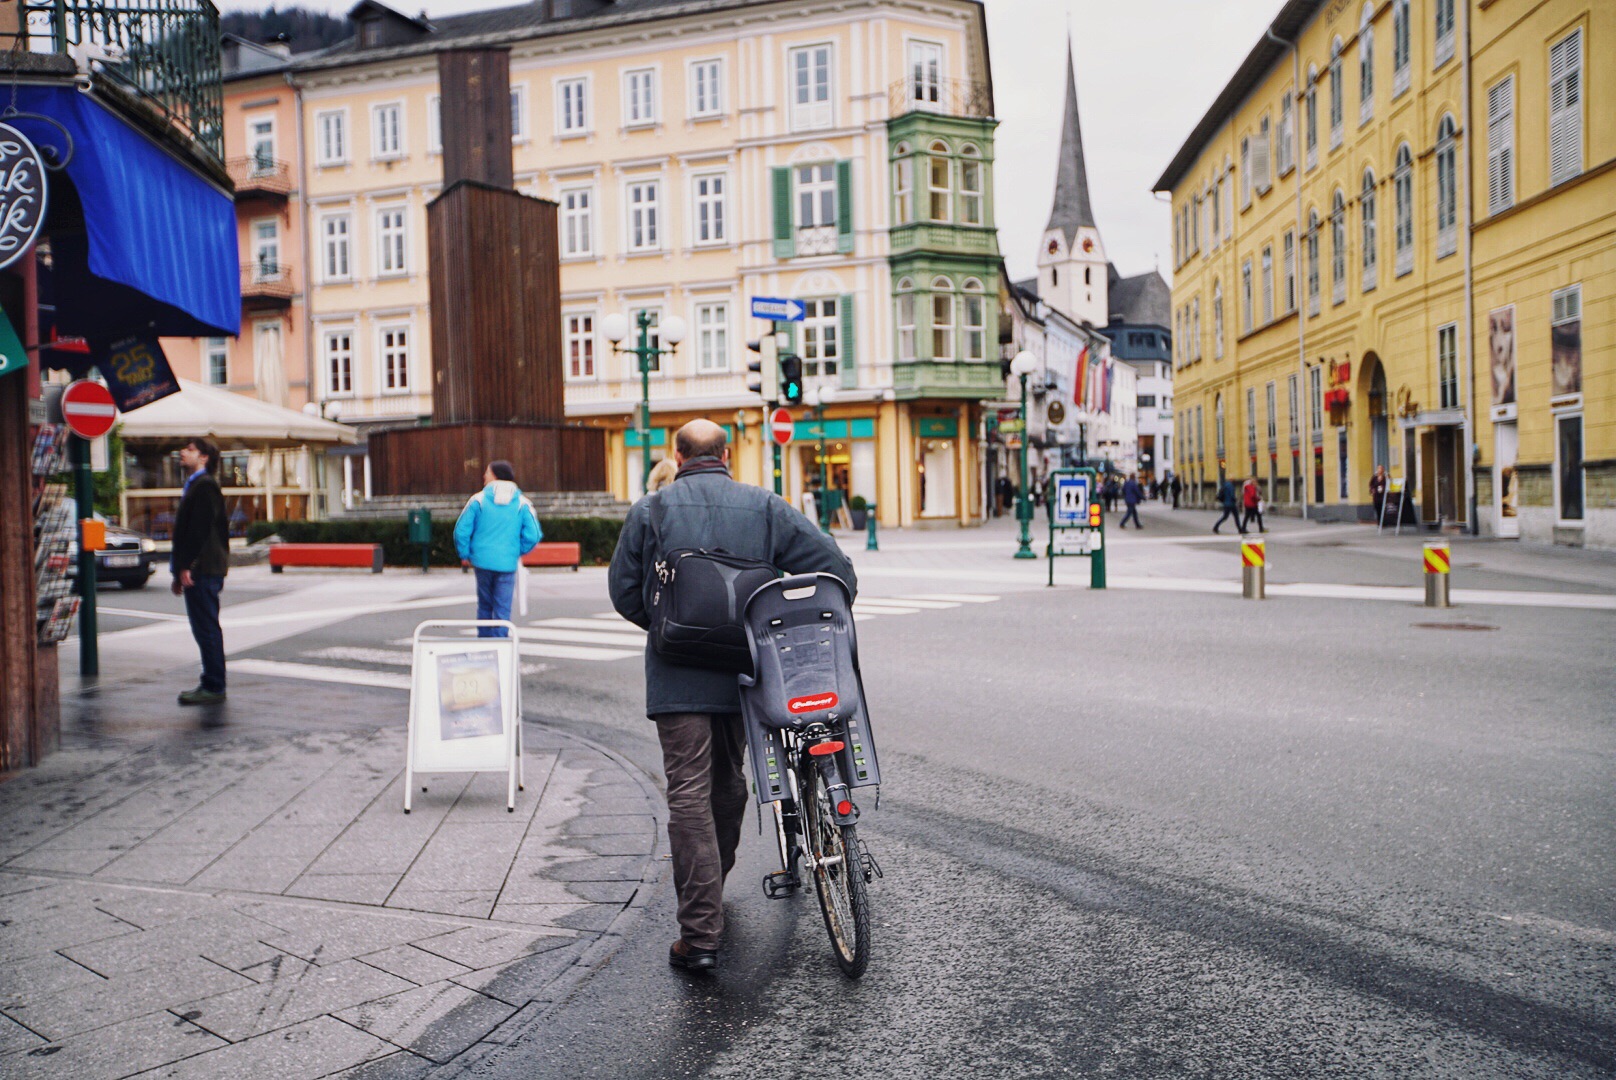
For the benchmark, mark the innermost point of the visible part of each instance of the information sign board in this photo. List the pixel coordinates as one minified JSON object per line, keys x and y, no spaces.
{"x":465,"y":704}
{"x":1071,"y":500}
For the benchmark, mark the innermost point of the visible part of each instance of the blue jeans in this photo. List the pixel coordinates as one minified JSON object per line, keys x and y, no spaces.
{"x":202,"y":605}
{"x":494,"y":590}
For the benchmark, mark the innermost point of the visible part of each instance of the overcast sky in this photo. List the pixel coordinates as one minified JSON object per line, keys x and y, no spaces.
{"x":1146,"y":71}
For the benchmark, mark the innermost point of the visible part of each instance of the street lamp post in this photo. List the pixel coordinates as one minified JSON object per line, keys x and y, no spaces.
{"x":615,"y":327}
{"x":1023,"y":365}
{"x":819,"y":397}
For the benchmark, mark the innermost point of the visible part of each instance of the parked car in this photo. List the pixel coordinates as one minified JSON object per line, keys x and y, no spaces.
{"x":127,"y":559}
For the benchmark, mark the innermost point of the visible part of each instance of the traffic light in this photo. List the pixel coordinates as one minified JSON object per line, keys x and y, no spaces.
{"x":791,"y":379}
{"x":765,"y":372}
{"x":1094,"y":515}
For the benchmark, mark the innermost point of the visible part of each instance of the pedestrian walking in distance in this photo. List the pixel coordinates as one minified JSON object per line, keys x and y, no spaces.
{"x":1251,"y":499}
{"x":1131,"y":494}
{"x":200,"y":561}
{"x":497,"y":527}
{"x":698,"y":711}
{"x":1176,"y":487}
{"x":1229,"y":500}
{"x":1377,"y":491}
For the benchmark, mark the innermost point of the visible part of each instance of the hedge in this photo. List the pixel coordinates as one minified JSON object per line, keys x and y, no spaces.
{"x":596,"y":537}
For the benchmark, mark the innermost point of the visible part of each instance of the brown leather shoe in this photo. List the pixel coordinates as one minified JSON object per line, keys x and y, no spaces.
{"x":689,"y":958}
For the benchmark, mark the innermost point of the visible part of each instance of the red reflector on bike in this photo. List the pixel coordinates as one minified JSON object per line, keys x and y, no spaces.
{"x":824,"y":748}
{"x":844,"y":808}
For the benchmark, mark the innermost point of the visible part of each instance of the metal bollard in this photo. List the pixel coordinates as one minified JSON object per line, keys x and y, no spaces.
{"x":869,"y":522}
{"x":1438,"y":560}
{"x":1253,"y":569}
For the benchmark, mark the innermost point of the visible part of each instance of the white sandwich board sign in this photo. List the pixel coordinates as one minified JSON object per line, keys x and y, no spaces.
{"x":465,"y":704}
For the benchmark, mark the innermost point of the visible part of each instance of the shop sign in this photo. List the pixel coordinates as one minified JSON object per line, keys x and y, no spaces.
{"x":136,"y":371}
{"x":1009,"y":427}
{"x":940,"y":427}
{"x":22,"y":194}
{"x":13,"y":357}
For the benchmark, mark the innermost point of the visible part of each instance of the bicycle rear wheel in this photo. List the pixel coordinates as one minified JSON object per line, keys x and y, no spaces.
{"x":838,"y":868}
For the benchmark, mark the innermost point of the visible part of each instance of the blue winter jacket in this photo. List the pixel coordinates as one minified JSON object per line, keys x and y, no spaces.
{"x":497,"y":527}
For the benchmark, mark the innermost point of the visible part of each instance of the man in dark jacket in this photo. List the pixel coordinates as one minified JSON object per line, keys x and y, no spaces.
{"x":1229,"y":500}
{"x":1132,"y":493}
{"x":200,"y":560}
{"x":697,"y":712}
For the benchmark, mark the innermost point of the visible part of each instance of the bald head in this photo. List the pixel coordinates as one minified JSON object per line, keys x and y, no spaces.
{"x":700,"y":438}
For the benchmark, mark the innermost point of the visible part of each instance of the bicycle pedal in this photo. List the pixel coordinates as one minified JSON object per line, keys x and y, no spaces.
{"x":780,"y":884}
{"x":872,"y":869}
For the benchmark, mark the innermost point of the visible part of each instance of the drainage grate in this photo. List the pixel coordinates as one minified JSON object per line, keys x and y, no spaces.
{"x":1452,"y":626}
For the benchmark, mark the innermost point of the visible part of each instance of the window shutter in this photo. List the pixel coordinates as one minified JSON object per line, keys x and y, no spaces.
{"x":1565,"y":108}
{"x":785,"y":243}
{"x":847,"y":365}
{"x":1245,"y":172}
{"x":844,"y":206}
{"x":1501,"y":145}
{"x":1259,"y":158}
{"x":789,"y":329}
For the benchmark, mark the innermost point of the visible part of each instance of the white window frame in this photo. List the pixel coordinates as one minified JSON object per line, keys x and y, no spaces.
{"x":216,"y":361}
{"x":1267,"y":284}
{"x":926,"y":66}
{"x":650,"y":206}
{"x":905,"y":319}
{"x":939,"y":196}
{"x":1262,"y":156}
{"x":711,"y":323}
{"x":1251,"y":421}
{"x":1565,"y":305}
{"x":820,"y":337}
{"x":1338,"y":248}
{"x":1315,"y":401}
{"x":572,"y":107}
{"x":1366,"y":64}
{"x":706,"y":88}
{"x":903,"y":186}
{"x":1501,"y":145}
{"x":520,"y":123}
{"x":580,"y":347}
{"x":1402,"y":48}
{"x":326,"y":123}
{"x":941,"y":301}
{"x":1294,"y":396}
{"x":1369,"y":203}
{"x":266,"y":270}
{"x":1310,"y":118}
{"x":1314,"y":280}
{"x":576,"y":217}
{"x":971,"y":197}
{"x":434,"y":124}
{"x":1559,"y":417}
{"x":1566,"y":94}
{"x":1248,"y":313}
{"x":1287,"y":132}
{"x":337,"y":382}
{"x":1272,"y":397}
{"x":1338,"y":94}
{"x":385,"y":144}
{"x":392,"y":240}
{"x":1195,"y":324}
{"x":709,"y":209}
{"x":330,"y":273}
{"x":640,"y":97}
{"x":1288,"y":272}
{"x":811,"y":114}
{"x":816,"y":195}
{"x":1447,"y":365}
{"x":387,"y":379}
{"x":1447,"y":187}
{"x":256,"y":162}
{"x":1403,"y":210}
{"x":973,"y":321}
{"x":1442,"y":14}
{"x":1217,"y":323}
{"x":1245,"y":172}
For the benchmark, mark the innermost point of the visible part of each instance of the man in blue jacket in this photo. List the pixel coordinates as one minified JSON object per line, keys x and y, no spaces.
{"x":497,"y":527}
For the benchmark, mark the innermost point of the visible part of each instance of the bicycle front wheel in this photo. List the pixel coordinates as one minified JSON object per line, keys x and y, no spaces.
{"x":838,"y":867}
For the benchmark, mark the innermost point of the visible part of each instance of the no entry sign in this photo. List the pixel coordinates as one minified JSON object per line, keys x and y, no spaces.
{"x":781,"y":426}
{"x":87,"y":407}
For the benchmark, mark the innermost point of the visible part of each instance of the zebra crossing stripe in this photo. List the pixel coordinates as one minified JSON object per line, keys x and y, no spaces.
{"x":882,"y":609}
{"x":923,"y":603}
{"x":595,"y":625}
{"x":582,"y":637}
{"x":321,"y":673}
{"x":573,"y":652}
{"x":958,"y":598}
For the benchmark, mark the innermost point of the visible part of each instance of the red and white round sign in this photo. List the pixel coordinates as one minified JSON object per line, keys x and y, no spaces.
{"x":781,"y":426}
{"x":87,"y":407}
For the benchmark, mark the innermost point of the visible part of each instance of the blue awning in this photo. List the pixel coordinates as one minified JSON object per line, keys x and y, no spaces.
{"x":159,"y":250}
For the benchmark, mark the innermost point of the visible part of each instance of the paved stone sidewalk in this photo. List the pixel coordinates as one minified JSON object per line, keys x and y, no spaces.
{"x":259,"y":905}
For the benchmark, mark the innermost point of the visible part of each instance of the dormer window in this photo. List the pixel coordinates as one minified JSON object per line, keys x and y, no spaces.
{"x":370,"y":33}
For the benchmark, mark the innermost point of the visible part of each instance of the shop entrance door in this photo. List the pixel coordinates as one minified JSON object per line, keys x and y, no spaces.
{"x":1505,"y":493}
{"x":937,"y":478}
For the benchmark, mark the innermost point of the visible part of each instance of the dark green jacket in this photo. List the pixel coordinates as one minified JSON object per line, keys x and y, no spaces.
{"x":202,"y":530}
{"x":710,"y":510}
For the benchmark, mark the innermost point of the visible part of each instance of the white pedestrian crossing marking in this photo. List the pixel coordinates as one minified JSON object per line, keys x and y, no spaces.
{"x":583,"y":637}
{"x":575,"y":652}
{"x":321,"y":673}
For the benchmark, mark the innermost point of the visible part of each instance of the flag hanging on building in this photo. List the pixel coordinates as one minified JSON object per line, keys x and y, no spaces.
{"x":1080,"y":378}
{"x":1110,"y":377}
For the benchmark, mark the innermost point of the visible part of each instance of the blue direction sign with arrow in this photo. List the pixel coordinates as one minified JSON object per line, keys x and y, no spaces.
{"x":777,"y":308}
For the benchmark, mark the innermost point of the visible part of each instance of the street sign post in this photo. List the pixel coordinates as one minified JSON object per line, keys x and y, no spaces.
{"x":89,"y":413}
{"x":88,"y":409}
{"x":1076,"y":525}
{"x":777,"y":308}
{"x":781,"y":426}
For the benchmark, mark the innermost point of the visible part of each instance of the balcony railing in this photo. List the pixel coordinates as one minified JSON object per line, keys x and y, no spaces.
{"x":165,"y":53}
{"x":267,"y":284}
{"x":946,"y":97}
{"x":260,"y":175}
{"x":941,"y":236}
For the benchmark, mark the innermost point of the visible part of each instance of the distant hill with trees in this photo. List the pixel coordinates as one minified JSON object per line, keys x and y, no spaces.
{"x":305,"y":30}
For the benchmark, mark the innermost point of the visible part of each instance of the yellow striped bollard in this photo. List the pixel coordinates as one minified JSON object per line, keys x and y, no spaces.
{"x":1438,"y":560}
{"x":1253,"y":569}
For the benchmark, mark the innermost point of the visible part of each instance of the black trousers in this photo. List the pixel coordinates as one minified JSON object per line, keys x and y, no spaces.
{"x":703,"y":753}
{"x":1254,"y":512}
{"x":202,"y":606}
{"x":1229,"y":512}
{"x":1133,"y":512}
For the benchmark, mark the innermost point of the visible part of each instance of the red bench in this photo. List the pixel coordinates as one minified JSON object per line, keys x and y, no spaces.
{"x":554,"y":553}
{"x":283,"y":555}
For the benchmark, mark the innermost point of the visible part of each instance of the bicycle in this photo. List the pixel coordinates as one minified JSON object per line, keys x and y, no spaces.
{"x":810,"y":743}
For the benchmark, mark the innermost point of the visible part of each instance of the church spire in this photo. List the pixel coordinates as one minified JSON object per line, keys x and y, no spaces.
{"x":1071,"y":210}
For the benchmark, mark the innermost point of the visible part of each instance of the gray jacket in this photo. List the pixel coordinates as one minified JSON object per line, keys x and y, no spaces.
{"x":710,"y":510}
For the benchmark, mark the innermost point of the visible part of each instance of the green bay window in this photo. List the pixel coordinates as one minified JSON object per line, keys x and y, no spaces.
{"x":942,"y":319}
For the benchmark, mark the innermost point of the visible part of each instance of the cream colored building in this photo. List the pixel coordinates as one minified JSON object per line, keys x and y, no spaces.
{"x":838,"y":154}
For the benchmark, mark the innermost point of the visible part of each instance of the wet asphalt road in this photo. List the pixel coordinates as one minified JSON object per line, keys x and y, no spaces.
{"x":1167,"y":835}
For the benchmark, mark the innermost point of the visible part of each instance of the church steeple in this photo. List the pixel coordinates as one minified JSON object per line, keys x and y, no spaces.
{"x":1073,"y":275}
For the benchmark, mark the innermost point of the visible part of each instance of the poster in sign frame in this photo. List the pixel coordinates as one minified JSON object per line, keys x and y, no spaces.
{"x":465,"y":704}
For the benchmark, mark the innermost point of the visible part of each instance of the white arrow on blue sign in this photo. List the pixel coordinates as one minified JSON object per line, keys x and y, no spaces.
{"x":776,"y":308}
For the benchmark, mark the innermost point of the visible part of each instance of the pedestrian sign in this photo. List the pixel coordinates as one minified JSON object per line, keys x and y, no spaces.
{"x":1076,"y":525}
{"x":1071,"y":499}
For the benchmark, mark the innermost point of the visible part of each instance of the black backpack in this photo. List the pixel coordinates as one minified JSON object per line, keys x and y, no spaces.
{"x":697,"y":601}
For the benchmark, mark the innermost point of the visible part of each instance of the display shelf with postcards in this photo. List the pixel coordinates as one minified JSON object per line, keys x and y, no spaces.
{"x":53,"y":536}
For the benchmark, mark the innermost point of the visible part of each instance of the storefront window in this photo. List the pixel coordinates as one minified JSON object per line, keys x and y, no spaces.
{"x":1568,"y":467}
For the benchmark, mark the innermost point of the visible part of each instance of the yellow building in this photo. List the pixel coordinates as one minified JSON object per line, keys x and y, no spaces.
{"x":835,"y":154}
{"x":1371,"y":202}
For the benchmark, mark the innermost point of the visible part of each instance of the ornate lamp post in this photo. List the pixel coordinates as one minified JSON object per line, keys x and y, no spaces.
{"x":819,"y":397}
{"x":615,"y":328}
{"x":1023,"y":365}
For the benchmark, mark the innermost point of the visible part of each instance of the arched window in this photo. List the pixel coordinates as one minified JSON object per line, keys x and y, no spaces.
{"x":1447,"y":188}
{"x":1217,"y":421}
{"x":1217,"y":322}
{"x":1310,"y":115}
{"x":942,"y":319}
{"x":906,"y":318}
{"x":903,"y":183}
{"x":940,"y":182}
{"x":1312,"y":241}
{"x":970,"y":185}
{"x":1366,"y":63}
{"x":1338,"y":247}
{"x":1400,"y":46}
{"x":1370,"y":254}
{"x":976,"y":335}
{"x":1403,"y":210}
{"x":1337,"y":94}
